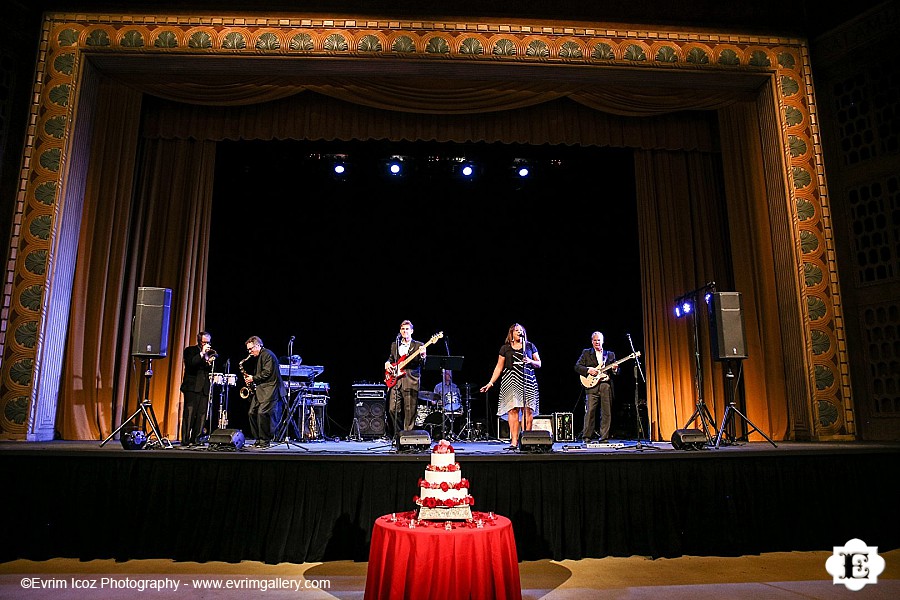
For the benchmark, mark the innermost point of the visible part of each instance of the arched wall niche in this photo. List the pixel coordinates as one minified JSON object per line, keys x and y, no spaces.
{"x":597,"y":64}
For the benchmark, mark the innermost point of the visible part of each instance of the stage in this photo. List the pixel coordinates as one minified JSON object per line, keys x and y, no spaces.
{"x":317,"y":501}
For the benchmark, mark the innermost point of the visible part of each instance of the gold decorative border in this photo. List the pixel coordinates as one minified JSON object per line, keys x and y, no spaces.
{"x":66,"y":36}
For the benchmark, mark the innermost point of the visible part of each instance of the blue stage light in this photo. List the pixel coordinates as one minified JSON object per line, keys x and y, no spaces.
{"x":395,"y":165}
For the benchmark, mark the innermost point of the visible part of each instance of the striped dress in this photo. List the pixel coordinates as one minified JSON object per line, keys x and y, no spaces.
{"x":513,"y":394}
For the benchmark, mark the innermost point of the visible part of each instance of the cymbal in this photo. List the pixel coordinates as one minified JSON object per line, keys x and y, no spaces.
{"x":429,"y":396}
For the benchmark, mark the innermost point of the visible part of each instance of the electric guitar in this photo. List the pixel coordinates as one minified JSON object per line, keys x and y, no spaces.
{"x":392,"y":375}
{"x":590,"y":381}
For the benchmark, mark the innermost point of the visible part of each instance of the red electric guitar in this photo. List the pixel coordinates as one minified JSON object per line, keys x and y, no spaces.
{"x":392,"y":375}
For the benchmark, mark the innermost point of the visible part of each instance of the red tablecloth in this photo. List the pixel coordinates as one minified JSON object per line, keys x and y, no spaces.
{"x":429,"y":561}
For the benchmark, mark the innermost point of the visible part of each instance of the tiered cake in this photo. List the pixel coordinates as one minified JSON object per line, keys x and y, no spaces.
{"x":443,"y":492}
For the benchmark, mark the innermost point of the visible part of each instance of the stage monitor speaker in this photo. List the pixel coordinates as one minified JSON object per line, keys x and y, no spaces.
{"x":688,"y":439}
{"x":415,"y":439}
{"x":536,"y":440}
{"x":226,"y":439}
{"x":150,"y":334}
{"x":369,"y":416}
{"x":726,"y":326}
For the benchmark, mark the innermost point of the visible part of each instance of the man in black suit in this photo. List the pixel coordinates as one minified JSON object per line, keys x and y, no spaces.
{"x":198,"y":364}
{"x":268,"y":394}
{"x":405,"y":390}
{"x":589,"y":364}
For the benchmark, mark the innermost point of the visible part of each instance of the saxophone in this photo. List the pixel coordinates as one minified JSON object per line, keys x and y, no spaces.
{"x":313,"y":426}
{"x":248,"y":388}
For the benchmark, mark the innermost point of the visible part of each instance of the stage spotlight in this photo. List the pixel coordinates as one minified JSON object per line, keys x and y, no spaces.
{"x":395,"y":166}
{"x":521,"y":168}
{"x":135,"y":439}
{"x":683,"y":307}
{"x":338,"y":165}
{"x":467,"y":170}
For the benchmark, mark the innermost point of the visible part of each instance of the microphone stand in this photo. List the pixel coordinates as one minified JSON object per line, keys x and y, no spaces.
{"x":638,"y":380}
{"x":522,"y":416}
{"x":208,"y":419}
{"x":283,"y":431}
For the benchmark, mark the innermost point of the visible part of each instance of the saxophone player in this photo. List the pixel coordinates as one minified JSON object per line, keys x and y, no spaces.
{"x":268,"y":393}
{"x":198,"y":364}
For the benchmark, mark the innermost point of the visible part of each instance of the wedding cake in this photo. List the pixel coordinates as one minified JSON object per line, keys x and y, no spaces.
{"x":443,"y":492}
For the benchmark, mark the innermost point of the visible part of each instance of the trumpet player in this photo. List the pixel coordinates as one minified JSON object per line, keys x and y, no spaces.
{"x":198,"y":364}
{"x":268,"y":393}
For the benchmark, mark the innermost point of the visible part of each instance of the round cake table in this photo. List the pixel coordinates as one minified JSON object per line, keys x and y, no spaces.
{"x":443,"y":560}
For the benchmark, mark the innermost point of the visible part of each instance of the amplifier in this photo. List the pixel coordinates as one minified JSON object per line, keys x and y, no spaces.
{"x":314,"y":400}
{"x":369,"y":391}
{"x":542,"y":423}
{"x":563,"y":427}
{"x":559,"y":425}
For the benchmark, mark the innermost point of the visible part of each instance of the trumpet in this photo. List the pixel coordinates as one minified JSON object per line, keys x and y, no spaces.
{"x":248,"y":388}
{"x":208,"y":353}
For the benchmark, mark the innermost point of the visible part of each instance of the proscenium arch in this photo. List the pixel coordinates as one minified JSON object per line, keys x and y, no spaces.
{"x":774,"y":70}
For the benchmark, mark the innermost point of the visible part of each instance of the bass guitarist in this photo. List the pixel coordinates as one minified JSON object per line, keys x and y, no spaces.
{"x":589,"y":364}
{"x":405,"y":388}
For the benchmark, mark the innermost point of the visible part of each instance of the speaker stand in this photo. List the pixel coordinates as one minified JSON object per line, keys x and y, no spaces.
{"x":706,"y":420}
{"x":732,"y":410}
{"x":145,"y":408}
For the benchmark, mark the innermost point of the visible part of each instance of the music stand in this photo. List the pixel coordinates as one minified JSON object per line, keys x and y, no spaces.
{"x":443,"y":363}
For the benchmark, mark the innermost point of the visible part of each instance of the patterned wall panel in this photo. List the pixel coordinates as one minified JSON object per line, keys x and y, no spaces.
{"x":595,"y":46}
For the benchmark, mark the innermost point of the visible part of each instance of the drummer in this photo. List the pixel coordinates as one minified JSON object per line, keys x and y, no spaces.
{"x":449,"y":392}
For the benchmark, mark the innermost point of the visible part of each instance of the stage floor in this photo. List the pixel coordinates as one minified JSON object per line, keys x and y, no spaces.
{"x":383,"y":449}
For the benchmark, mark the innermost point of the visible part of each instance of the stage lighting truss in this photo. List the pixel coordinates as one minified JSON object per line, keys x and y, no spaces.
{"x":686,"y":304}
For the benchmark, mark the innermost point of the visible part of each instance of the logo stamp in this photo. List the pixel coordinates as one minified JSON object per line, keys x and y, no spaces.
{"x":855,"y":565}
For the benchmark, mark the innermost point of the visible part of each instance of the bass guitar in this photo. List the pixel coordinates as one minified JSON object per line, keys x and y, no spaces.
{"x":590,"y":381}
{"x":392,"y":375}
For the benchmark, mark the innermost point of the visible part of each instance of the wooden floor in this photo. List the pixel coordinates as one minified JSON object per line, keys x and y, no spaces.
{"x":781,"y":575}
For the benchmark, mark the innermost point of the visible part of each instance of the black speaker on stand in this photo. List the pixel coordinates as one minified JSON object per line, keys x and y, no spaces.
{"x":149,"y":340}
{"x":150,"y":334}
{"x":726,"y":326}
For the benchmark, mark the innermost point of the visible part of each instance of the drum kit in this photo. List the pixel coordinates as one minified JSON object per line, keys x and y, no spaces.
{"x":441,"y":418}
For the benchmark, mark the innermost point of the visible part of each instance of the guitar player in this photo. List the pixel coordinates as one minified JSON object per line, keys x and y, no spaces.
{"x":600,"y":394}
{"x":406,"y":389}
